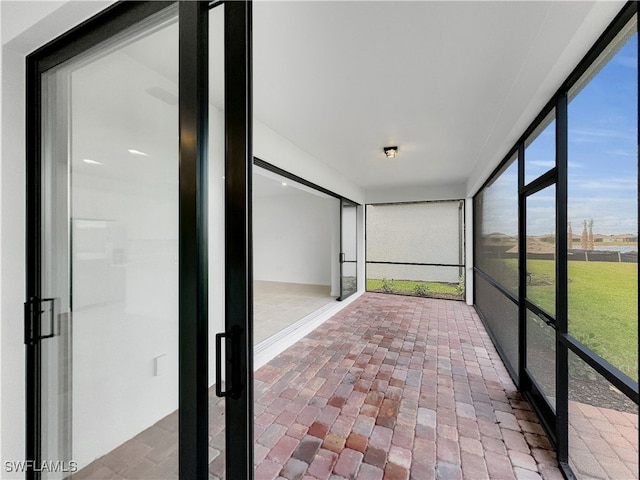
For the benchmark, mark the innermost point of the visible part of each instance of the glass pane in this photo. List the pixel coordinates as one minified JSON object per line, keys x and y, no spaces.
{"x":110,"y":256}
{"x":56,"y":361}
{"x":296,"y":235}
{"x":603,"y":206}
{"x":540,"y":150}
{"x":216,"y":237}
{"x":496,"y":213}
{"x":501,"y":317}
{"x":349,"y":234}
{"x":349,"y":249}
{"x":349,"y":278}
{"x":541,"y":249}
{"x":541,"y":355}
{"x":603,"y":426}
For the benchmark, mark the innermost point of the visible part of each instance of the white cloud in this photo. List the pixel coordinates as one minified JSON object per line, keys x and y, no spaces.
{"x":616,"y":184}
{"x":542,"y":163}
{"x":628,"y":61}
{"x":623,"y":153}
{"x":591,"y":135}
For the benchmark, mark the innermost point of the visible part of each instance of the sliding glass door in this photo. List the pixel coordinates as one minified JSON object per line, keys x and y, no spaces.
{"x":105,"y":321}
{"x":120,"y":369}
{"x":348,"y":249}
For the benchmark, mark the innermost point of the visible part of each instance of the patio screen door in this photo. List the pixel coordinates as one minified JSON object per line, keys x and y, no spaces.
{"x":117,"y":332}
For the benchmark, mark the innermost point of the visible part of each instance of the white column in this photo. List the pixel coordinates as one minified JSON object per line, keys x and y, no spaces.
{"x":468,"y":234}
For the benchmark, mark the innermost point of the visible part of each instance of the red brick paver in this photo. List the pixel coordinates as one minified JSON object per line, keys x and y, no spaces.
{"x":402,"y":387}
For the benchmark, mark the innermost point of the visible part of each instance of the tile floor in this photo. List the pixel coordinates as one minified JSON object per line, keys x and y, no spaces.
{"x":276,"y":305}
{"x":389,"y":388}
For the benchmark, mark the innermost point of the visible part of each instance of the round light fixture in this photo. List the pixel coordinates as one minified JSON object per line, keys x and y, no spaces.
{"x":390,"y":152}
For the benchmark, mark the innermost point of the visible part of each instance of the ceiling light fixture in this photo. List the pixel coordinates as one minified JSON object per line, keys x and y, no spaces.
{"x":390,"y":152}
{"x":91,"y":162}
{"x":284,"y":184}
{"x":137,"y":152}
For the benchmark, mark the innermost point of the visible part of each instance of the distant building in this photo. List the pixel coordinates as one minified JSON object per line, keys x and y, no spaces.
{"x":570,"y":238}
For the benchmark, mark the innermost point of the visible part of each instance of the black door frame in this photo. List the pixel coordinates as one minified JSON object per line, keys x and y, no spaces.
{"x":238,"y":240}
{"x":193,"y":331}
{"x":193,"y":292}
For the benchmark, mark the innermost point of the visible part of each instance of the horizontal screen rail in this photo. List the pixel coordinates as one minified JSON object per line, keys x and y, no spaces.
{"x":417,"y":264}
{"x":495,"y":284}
{"x":612,"y":374}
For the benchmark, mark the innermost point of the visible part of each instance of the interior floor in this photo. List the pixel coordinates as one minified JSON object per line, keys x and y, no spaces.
{"x":276,"y":305}
{"x":390,"y":387}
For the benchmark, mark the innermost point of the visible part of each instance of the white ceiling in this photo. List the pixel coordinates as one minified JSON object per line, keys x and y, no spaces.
{"x":453,"y":84}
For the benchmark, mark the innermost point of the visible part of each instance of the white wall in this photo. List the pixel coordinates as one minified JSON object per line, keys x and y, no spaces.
{"x":12,"y":227}
{"x":292,"y":238}
{"x":468,"y":245}
{"x":415,"y":194}
{"x":273,"y":148}
{"x":361,"y":249}
{"x":2,"y":31}
{"x":415,"y":233}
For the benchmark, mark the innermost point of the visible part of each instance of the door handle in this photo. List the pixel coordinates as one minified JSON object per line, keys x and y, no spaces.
{"x":342,"y":258}
{"x":232,"y":353}
{"x":219,"y":391}
{"x":32,"y":320}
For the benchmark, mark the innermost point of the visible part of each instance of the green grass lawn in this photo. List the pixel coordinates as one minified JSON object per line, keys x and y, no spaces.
{"x":603,"y":307}
{"x":408,"y":287}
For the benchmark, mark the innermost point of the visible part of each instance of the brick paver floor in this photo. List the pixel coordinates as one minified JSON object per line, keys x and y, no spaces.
{"x":390,"y":388}
{"x":603,"y":443}
{"x":396,"y":387}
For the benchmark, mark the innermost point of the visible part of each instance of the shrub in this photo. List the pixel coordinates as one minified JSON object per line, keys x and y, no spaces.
{"x":388,"y":286}
{"x":421,"y":289}
{"x":461,"y":285}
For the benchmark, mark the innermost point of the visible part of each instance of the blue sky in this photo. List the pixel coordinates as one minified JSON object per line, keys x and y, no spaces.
{"x":603,"y":139}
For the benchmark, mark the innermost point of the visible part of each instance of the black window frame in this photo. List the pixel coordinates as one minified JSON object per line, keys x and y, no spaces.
{"x":555,"y":423}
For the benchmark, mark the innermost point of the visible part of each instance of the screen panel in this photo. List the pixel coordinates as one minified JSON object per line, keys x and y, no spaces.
{"x":416,"y":248}
{"x":603,"y":205}
{"x":428,"y":232}
{"x":496,"y":228}
{"x":501,"y":317}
